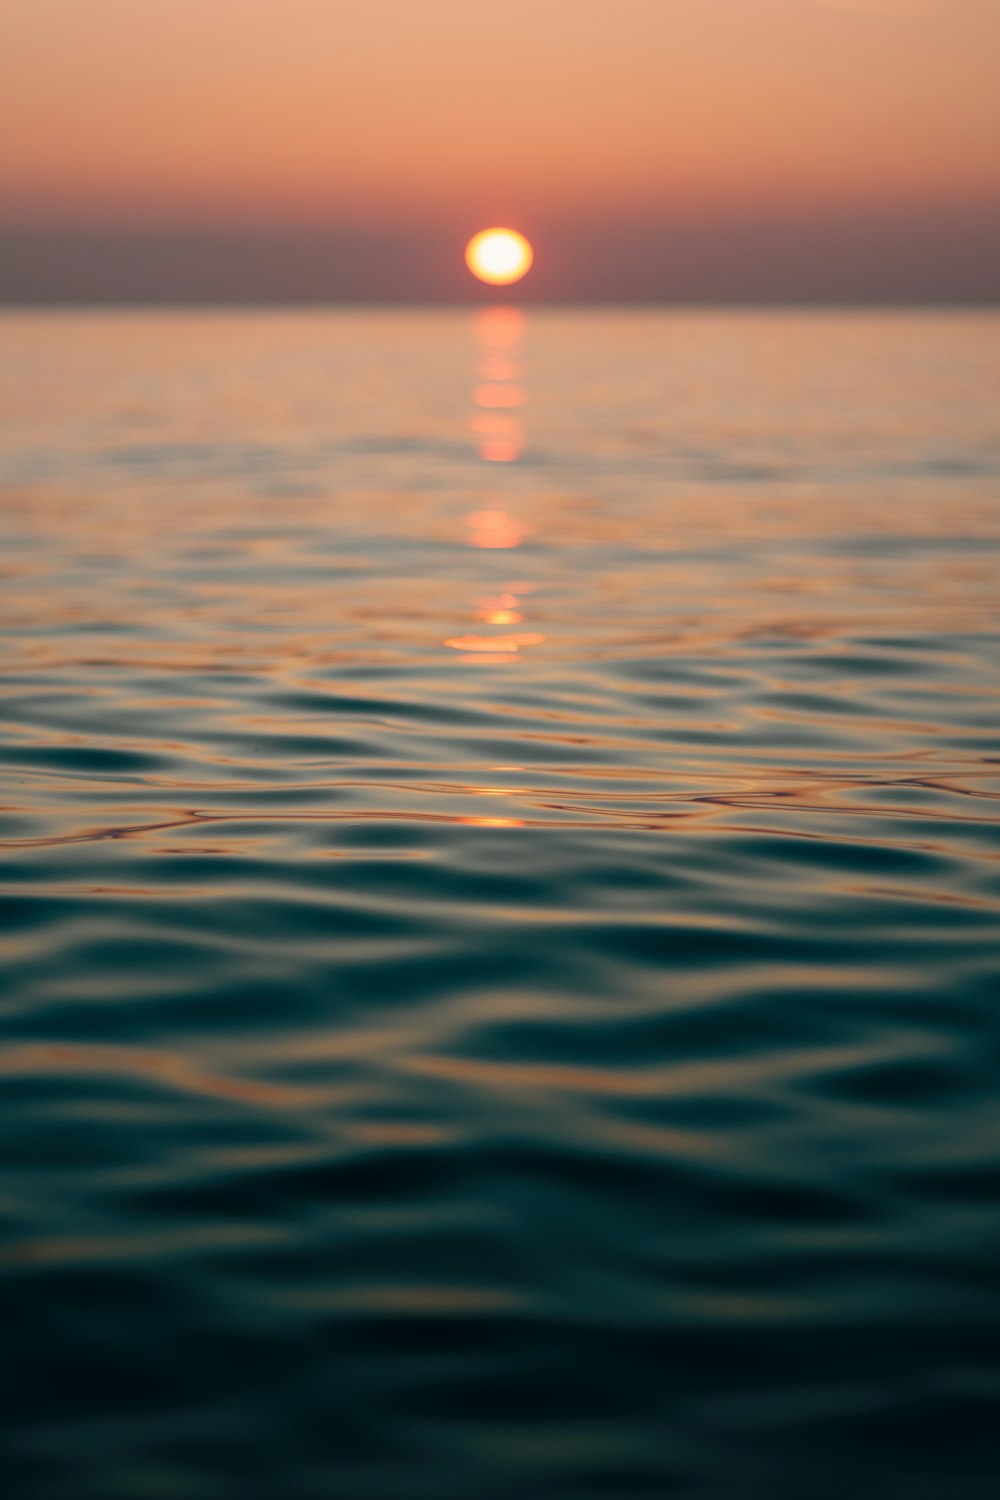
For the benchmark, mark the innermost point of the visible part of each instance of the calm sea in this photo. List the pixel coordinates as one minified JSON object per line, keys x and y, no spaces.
{"x":500,"y":867}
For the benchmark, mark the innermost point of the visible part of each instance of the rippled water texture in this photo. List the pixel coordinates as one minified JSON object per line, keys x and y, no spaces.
{"x":500,"y":874}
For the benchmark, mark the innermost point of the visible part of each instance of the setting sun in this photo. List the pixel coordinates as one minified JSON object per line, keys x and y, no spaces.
{"x":499,"y":256}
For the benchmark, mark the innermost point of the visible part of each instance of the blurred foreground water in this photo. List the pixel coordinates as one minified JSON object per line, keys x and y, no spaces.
{"x":500,"y":896}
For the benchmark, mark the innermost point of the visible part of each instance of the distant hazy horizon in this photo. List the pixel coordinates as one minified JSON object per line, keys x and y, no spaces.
{"x":920,"y":260}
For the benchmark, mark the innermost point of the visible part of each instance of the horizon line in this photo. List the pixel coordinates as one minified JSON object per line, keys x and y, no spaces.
{"x":955,"y":303}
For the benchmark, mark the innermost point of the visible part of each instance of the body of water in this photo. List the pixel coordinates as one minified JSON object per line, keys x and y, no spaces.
{"x":500,"y":874}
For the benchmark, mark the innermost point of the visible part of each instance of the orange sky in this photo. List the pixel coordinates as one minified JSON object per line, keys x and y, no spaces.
{"x":391,"y":111}
{"x":314,"y":150}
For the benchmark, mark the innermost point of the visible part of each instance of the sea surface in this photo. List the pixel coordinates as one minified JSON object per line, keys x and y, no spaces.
{"x":500,"y":872}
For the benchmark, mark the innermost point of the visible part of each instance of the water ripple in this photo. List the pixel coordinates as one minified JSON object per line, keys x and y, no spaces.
{"x":500,"y":958}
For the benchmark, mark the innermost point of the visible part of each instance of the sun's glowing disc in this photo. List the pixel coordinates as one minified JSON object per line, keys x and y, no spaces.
{"x":499,"y":256}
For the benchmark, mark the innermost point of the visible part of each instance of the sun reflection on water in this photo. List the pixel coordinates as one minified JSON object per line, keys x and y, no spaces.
{"x":494,"y":529}
{"x":499,"y":431}
{"x":499,"y":395}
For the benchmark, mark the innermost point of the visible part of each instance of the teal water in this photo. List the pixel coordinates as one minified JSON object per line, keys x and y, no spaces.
{"x":500,"y":873}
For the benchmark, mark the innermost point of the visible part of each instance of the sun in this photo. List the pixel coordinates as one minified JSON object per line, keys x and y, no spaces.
{"x":499,"y":256}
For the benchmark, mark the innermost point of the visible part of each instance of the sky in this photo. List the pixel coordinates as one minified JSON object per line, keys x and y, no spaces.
{"x":706,"y":150}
